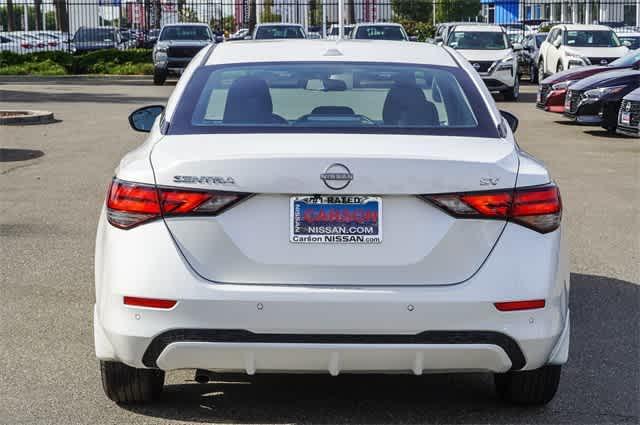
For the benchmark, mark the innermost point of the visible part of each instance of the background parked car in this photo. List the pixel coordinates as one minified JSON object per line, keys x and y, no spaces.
{"x":489,"y":51}
{"x":529,"y":55}
{"x":277,"y":31}
{"x":16,"y":44}
{"x":596,"y":100}
{"x":568,"y":46}
{"x":334,"y":31}
{"x":630,"y":39}
{"x":90,"y":39}
{"x":552,"y":90}
{"x":239,"y":35}
{"x":629,"y":116}
{"x":176,"y":46}
{"x":379,"y":31}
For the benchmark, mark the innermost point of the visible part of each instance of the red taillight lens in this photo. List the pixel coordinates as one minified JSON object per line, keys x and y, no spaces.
{"x":25,"y":45}
{"x":149,"y":302}
{"x":130,"y":204}
{"x":519,"y":305}
{"x":53,"y":43}
{"x":538,"y":208}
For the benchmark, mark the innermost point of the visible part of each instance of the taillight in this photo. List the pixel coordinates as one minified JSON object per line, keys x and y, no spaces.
{"x":130,"y":204}
{"x":53,"y":43}
{"x":25,"y":45}
{"x":538,"y":207}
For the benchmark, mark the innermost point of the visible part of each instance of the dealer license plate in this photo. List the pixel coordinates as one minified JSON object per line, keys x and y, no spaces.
{"x":348,"y":219}
{"x":625,"y":117}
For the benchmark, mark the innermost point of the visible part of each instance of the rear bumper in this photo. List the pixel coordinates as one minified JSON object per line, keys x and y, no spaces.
{"x":259,"y":328}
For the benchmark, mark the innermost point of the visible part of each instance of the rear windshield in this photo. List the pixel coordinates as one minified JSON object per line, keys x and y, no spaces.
{"x":634,"y":41}
{"x":379,"y":32}
{"x":272,"y":32}
{"x":478,"y":40}
{"x":189,"y":32}
{"x":591,"y":39}
{"x":332,"y":97}
{"x":95,"y":34}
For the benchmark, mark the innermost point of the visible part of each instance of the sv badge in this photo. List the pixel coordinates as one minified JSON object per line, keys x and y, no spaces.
{"x":489,"y":181}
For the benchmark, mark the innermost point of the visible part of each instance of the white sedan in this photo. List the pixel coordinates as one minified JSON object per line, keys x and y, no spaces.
{"x":330,"y":207}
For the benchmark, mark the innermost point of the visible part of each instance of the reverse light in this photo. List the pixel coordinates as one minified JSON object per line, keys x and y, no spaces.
{"x":130,"y":204}
{"x":520,"y":305}
{"x":538,"y":207}
{"x":149,"y":302}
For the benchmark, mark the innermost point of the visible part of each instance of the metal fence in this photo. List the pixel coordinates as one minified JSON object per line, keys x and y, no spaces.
{"x":35,"y":25}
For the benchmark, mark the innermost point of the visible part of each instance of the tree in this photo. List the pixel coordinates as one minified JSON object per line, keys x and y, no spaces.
{"x":414,"y":10}
{"x":351,"y":12}
{"x":457,"y":10}
{"x":37,"y":4}
{"x":62,"y":15}
{"x":267,"y":14}
{"x":11,"y":18}
{"x":252,"y":15}
{"x":188,"y":15}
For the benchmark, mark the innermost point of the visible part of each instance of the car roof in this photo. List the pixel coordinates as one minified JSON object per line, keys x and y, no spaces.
{"x":479,"y":28}
{"x":300,"y":50}
{"x":186,"y":24}
{"x":378,"y":24}
{"x":279,"y":24}
{"x":583,"y":27}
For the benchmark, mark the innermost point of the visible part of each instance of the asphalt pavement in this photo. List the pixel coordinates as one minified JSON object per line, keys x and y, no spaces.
{"x":53,"y":180}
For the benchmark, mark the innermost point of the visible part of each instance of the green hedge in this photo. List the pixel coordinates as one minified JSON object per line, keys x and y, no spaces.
{"x":108,"y":61}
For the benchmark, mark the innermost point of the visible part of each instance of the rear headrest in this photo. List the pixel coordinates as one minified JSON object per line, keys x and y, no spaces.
{"x":248,"y":102}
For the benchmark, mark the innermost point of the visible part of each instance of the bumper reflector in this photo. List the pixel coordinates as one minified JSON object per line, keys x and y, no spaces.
{"x":520,"y":305}
{"x":149,"y":302}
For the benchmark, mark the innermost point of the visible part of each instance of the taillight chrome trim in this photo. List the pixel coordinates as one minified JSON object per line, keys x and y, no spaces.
{"x":437,"y":201}
{"x":128,"y":219}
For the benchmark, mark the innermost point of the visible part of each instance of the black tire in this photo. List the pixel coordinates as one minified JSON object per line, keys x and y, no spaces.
{"x":533,"y":73}
{"x":128,"y":385}
{"x":559,"y":68}
{"x":531,"y":387}
{"x":512,"y":94}
{"x":159,"y":76}
{"x":541,"y":75}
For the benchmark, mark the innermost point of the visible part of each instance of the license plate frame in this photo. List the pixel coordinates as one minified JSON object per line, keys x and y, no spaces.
{"x":335,"y":219}
{"x":625,"y":117}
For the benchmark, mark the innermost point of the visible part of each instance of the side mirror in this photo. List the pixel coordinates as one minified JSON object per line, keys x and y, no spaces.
{"x":626,"y":43}
{"x":413,"y":38}
{"x":557,"y":43}
{"x":438,"y":39}
{"x":142,"y":119}
{"x":511,"y":119}
{"x":218,"y":39}
{"x":516,"y":47}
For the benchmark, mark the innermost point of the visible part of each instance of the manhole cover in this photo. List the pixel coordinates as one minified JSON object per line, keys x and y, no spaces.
{"x":10,"y":117}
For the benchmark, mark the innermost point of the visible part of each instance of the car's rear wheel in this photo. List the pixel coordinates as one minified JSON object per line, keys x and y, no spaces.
{"x":514,"y":93}
{"x":533,"y":387}
{"x":533,"y":73}
{"x":559,"y":68}
{"x":128,"y":385}
{"x":159,"y":76}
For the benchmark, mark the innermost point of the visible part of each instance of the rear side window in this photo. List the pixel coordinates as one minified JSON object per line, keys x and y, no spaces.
{"x":332,"y":97}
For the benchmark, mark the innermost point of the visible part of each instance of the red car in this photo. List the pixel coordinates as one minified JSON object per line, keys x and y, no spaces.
{"x":552,"y":90}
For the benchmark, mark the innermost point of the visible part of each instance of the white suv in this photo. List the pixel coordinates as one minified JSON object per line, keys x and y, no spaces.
{"x":490,"y":52}
{"x":568,"y":46}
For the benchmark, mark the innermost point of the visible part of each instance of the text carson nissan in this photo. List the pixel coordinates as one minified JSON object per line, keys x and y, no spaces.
{"x":465,"y":265}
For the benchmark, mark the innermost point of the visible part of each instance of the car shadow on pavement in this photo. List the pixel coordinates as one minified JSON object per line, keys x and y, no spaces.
{"x":605,"y":133}
{"x":598,"y":385}
{"x":11,"y":155}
